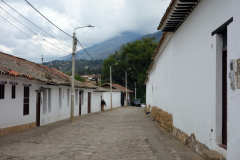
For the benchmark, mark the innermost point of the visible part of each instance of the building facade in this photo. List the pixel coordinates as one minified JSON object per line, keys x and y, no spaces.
{"x":195,"y":73}
{"x":34,"y":95}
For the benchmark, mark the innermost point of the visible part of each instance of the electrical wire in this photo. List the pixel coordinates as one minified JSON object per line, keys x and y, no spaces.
{"x":47,"y":19}
{"x":33,"y":31}
{"x":86,"y":51}
{"x":29,"y":39}
{"x":80,"y":55}
{"x":42,"y":30}
{"x":28,"y":35}
{"x":34,"y":24}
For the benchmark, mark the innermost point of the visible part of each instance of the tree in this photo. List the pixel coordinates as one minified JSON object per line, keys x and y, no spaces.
{"x":137,"y":56}
{"x":79,"y":78}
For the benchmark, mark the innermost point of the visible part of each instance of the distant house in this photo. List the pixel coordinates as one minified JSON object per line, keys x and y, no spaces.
{"x":194,"y":79}
{"x":86,"y":77}
{"x":121,"y":92}
{"x":33,"y":95}
{"x":94,"y":78}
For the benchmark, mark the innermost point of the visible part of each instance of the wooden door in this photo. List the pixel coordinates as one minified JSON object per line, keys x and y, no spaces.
{"x":80,"y":102}
{"x":38,"y":109}
{"x":89,"y":102}
{"x":224,"y":98}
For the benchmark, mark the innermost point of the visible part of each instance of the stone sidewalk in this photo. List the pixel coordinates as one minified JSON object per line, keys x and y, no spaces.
{"x":124,"y":133}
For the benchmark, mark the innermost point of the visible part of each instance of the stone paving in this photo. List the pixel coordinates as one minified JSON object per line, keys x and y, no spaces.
{"x":124,"y":133}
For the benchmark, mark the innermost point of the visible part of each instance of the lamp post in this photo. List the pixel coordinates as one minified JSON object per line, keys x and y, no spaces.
{"x":111,"y":84}
{"x":73,"y":71}
{"x":126,"y":84}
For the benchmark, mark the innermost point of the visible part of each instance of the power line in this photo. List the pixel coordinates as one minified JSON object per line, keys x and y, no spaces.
{"x":80,"y":55}
{"x":47,"y":19}
{"x":34,"y":24}
{"x":28,"y":35}
{"x":84,"y":49}
{"x":33,"y":31}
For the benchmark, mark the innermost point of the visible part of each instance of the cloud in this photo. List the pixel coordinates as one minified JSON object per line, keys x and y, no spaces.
{"x":5,"y":49}
{"x":110,"y":17}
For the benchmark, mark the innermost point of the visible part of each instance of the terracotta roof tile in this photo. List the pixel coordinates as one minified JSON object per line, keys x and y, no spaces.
{"x":18,"y":67}
{"x":117,"y":86}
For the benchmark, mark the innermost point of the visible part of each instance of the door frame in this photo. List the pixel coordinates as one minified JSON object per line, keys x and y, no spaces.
{"x":224,"y":97}
{"x":89,"y":102}
{"x":80,"y":102}
{"x":38,"y":108}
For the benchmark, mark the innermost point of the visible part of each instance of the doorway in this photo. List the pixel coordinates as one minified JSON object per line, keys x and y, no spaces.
{"x":80,"y":102}
{"x":89,"y":102}
{"x":224,"y":97}
{"x":38,"y":101}
{"x":122,"y":99}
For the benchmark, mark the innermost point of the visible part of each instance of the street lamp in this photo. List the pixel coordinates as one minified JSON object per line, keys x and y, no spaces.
{"x":126,"y":84}
{"x":73,"y":71}
{"x":111,"y":84}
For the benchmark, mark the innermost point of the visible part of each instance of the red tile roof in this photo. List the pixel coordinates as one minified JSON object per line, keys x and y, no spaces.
{"x":18,"y":67}
{"x":117,"y":86}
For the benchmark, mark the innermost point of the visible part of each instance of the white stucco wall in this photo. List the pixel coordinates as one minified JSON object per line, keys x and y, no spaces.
{"x":116,"y":99}
{"x":56,"y":112}
{"x":96,"y":103}
{"x":187,"y":76}
{"x":85,"y":100}
{"x":233,"y":95}
{"x":11,"y":110}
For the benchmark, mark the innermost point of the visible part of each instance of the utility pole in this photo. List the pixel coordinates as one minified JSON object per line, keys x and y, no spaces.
{"x":41,"y":65}
{"x":126,"y":86}
{"x":111,"y":86}
{"x":73,"y":73}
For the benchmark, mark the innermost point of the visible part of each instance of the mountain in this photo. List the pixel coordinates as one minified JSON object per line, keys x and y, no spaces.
{"x":157,"y":36}
{"x":103,"y":50}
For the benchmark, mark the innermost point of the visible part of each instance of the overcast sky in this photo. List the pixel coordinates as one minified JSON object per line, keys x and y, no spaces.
{"x":110,"y":17}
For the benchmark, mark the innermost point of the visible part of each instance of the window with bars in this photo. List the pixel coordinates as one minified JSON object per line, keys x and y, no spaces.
{"x":60,"y":98}
{"x":44,"y":101}
{"x":26,"y":101}
{"x":13,"y":89}
{"x":76,"y":97}
{"x":49,"y":100}
{"x":2,"y":89}
{"x":68,"y":95}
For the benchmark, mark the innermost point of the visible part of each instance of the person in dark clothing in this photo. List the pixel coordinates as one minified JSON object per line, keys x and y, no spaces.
{"x":103,"y":103}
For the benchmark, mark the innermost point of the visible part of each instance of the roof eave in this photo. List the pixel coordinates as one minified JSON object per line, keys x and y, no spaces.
{"x":176,"y":13}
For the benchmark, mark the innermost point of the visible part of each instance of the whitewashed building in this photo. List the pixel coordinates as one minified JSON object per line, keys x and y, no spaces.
{"x":33,"y":95}
{"x":119,"y":95}
{"x":195,"y":73}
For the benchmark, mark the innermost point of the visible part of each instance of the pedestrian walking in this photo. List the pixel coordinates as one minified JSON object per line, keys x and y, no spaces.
{"x":128,"y":102}
{"x":103,"y":103}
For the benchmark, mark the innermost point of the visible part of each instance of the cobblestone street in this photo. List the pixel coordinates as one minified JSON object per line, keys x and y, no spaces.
{"x":124,"y":133}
